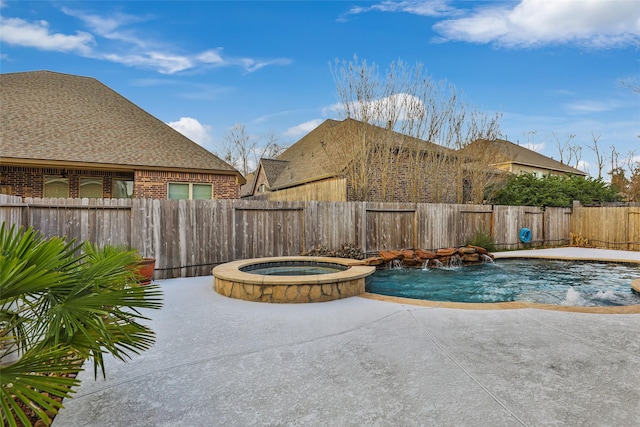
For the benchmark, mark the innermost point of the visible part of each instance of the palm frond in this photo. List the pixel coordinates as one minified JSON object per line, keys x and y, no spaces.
{"x":30,"y":381}
{"x":59,"y":298}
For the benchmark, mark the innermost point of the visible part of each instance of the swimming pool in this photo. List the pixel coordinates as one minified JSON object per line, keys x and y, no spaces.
{"x":573,"y":283}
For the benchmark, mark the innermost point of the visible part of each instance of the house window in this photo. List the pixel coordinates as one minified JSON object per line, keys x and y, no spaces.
{"x":90,"y":188}
{"x":262,"y":188}
{"x":190,"y":191}
{"x":56,"y":186}
{"x":121,"y":188}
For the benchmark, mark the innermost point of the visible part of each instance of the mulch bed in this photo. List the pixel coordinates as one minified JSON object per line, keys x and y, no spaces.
{"x":31,"y":414}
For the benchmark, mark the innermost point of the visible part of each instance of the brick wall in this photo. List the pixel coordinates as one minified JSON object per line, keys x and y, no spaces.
{"x":260,"y":180}
{"x":29,"y":181}
{"x":154,"y":184}
{"x":404,"y":182}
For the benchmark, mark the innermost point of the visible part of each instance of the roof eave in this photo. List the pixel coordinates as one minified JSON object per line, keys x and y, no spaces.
{"x":304,"y":181}
{"x":13,"y":161}
{"x":533,"y":165}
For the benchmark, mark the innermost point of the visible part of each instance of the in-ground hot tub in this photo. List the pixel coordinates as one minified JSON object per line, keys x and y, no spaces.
{"x":291,"y":279}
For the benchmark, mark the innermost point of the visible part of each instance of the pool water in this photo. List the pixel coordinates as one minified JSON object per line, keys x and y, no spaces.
{"x":293,"y":268}
{"x":531,"y":280}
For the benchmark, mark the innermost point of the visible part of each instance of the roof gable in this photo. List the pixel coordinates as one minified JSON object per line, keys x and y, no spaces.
{"x":67,"y":118}
{"x":273,"y":168}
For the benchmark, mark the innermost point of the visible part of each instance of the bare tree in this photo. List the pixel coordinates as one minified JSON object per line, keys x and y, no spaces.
{"x":630,"y":84}
{"x":614,"y":158}
{"x":531,"y":137}
{"x":244,"y":151}
{"x":568,"y":151}
{"x":271,"y":148}
{"x":634,"y":179}
{"x":575,"y":156}
{"x":600,"y":157}
{"x":425,"y":122}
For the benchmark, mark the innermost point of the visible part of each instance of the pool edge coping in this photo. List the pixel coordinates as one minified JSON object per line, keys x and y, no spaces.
{"x":231,"y":271}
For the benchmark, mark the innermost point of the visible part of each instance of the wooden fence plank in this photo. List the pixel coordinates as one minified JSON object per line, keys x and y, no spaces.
{"x":190,"y":237}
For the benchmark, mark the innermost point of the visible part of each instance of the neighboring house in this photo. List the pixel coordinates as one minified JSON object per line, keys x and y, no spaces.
{"x":516,"y":159}
{"x":268,"y":171}
{"x":348,"y":160}
{"x":351,"y":160}
{"x":71,"y":136}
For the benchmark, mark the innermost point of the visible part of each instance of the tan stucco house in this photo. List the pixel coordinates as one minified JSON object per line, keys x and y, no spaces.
{"x":516,"y":159}
{"x":71,"y":136}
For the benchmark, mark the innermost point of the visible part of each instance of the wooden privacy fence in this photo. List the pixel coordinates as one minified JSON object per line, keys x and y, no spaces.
{"x":609,"y":227}
{"x":188,"y":238}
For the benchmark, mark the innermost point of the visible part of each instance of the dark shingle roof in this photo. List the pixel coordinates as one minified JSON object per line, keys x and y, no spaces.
{"x":61,"y":117}
{"x":247,"y":189}
{"x":324,"y":151}
{"x":273,"y":168}
{"x":506,"y":152}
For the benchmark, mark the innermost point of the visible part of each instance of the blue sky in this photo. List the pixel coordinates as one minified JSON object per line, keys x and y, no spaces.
{"x":552,"y":68}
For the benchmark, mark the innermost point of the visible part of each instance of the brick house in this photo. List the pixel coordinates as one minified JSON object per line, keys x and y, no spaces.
{"x":350,"y":160}
{"x":72,"y":136}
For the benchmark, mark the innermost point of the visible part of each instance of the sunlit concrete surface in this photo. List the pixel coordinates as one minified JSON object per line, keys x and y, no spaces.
{"x":354,"y":362}
{"x":577,"y":254}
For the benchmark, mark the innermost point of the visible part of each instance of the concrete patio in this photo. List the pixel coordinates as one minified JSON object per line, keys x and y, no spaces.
{"x":359,"y":361}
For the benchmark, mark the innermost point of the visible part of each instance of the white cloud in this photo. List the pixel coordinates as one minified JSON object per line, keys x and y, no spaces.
{"x":421,"y":7}
{"x":397,"y":107}
{"x":125,"y":44}
{"x":251,"y":65}
{"x":592,"y":106}
{"x":16,"y":31}
{"x":533,"y":146}
{"x":337,"y":108}
{"x":215,"y":57}
{"x":194,"y":130}
{"x":106,"y":26}
{"x":211,"y":56}
{"x":163,"y":63}
{"x":583,"y":166}
{"x":592,"y":23}
{"x":303,"y":128}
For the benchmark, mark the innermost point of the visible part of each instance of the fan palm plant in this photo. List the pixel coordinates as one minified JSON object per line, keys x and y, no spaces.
{"x":61,"y":303}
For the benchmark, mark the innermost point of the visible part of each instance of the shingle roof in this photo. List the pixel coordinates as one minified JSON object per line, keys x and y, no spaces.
{"x":61,"y":117}
{"x":507,"y":152}
{"x":247,"y":188}
{"x":273,"y":168}
{"x":322,"y":154}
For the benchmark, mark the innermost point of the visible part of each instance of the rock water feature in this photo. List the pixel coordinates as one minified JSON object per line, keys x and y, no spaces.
{"x":419,"y":258}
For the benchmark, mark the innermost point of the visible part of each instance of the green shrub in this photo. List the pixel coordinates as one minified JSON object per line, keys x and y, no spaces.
{"x":554,"y":191}
{"x":484,"y":240}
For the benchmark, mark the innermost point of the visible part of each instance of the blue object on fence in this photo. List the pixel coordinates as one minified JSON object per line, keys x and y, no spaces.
{"x":525,"y":235}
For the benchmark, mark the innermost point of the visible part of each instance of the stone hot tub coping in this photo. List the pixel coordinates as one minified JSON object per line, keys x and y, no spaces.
{"x":231,"y":281}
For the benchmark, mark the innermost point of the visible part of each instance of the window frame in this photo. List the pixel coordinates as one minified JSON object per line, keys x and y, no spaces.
{"x":190,"y":184}
{"x":45,"y":178}
{"x":114,"y":179}
{"x":95,"y":178}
